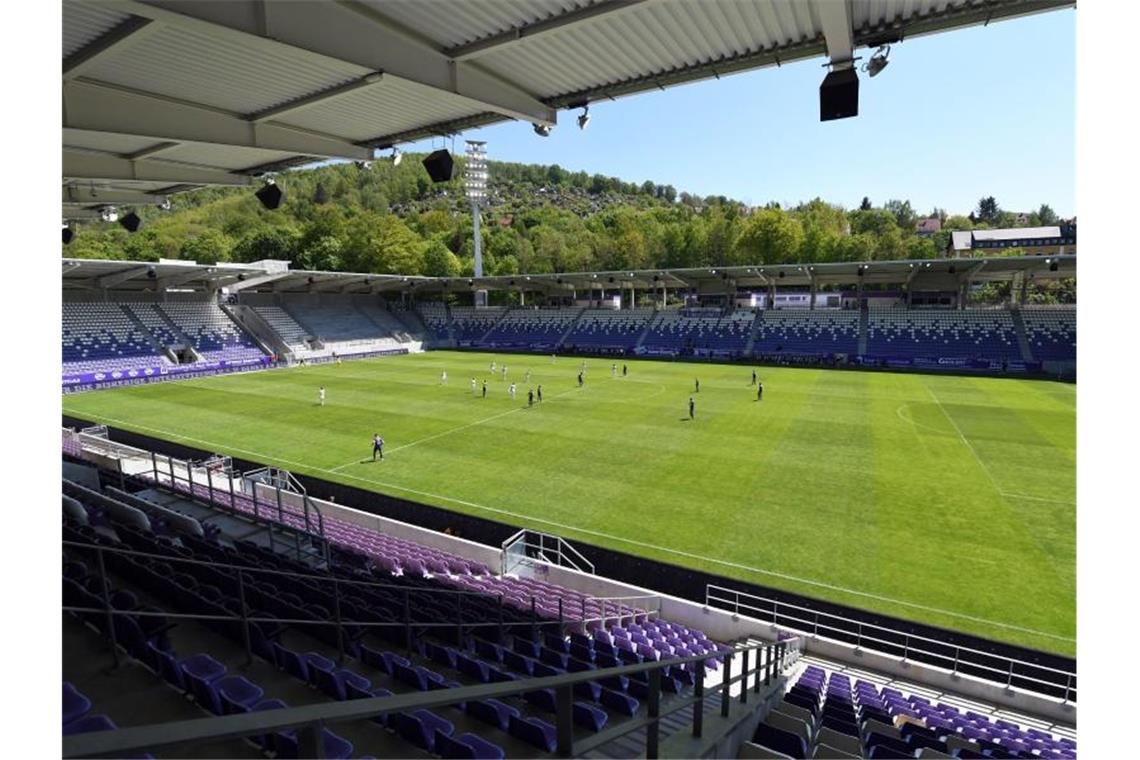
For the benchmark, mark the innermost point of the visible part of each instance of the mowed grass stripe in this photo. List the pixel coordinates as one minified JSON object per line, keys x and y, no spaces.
{"x":847,"y":486}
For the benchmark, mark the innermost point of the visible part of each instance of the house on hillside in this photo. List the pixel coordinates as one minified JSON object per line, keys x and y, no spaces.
{"x":1032,"y":241}
{"x":927,"y":227}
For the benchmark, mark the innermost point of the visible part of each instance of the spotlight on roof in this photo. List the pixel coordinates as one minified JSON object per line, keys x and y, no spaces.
{"x":396,"y":157}
{"x":363,"y":165}
{"x":542,"y":130}
{"x":131,"y":222}
{"x":270,"y":195}
{"x":109,"y":214}
{"x":68,"y":233}
{"x":584,"y":119}
{"x":150,"y":273}
{"x":781,"y":273}
{"x":878,"y":61}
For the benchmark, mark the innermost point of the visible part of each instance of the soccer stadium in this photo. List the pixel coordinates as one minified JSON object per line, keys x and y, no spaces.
{"x":756,"y":510}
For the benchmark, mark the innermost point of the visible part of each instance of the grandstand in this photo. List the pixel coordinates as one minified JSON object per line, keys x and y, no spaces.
{"x":221,"y":607}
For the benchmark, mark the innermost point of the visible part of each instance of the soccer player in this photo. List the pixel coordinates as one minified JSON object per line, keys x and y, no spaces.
{"x":321,"y":395}
{"x":624,"y":370}
{"x":697,"y":384}
{"x":377,"y":446}
{"x":443,"y":378}
{"x":484,"y":389}
{"x":526,"y":377}
{"x":492,"y":366}
{"x":613,"y":370}
{"x":504,"y":372}
{"x":530,"y":398}
{"x":579,"y":379}
{"x":692,"y":409}
{"x":760,"y":391}
{"x":540,"y":394}
{"x":753,"y":378}
{"x":511,"y":390}
{"x":472,"y":386}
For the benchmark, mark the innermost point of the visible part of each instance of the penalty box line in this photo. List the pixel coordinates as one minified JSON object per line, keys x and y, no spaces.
{"x":609,"y":536}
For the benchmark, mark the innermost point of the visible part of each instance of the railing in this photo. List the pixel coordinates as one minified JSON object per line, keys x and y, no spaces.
{"x":555,"y":550}
{"x":769,"y":661}
{"x":1010,"y":671}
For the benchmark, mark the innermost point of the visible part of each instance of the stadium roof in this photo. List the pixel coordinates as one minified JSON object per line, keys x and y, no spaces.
{"x":162,"y":96}
{"x":932,"y":274}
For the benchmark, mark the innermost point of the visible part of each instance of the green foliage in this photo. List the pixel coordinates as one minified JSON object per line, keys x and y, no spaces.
{"x":539,"y":219}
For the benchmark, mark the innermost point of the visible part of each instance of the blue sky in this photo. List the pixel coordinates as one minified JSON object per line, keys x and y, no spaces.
{"x":955,"y":116}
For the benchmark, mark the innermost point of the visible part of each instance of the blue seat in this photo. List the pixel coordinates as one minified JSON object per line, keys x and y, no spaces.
{"x":317,"y":661}
{"x":526,"y":647}
{"x":492,"y":712}
{"x":535,"y":732}
{"x":467,"y":746}
{"x":589,"y":716}
{"x":541,"y":670}
{"x":445,"y":656}
{"x":543,"y":699}
{"x":516,"y":661}
{"x":237,"y":694}
{"x":591,"y":690}
{"x":553,"y":658}
{"x":780,"y":740}
{"x":420,"y":727}
{"x":617,"y":683}
{"x":88,"y":724}
{"x":292,"y":663}
{"x":75,"y":705}
{"x":472,"y":667}
{"x":335,"y":747}
{"x":556,"y":642}
{"x":619,"y":702}
{"x":488,"y":650}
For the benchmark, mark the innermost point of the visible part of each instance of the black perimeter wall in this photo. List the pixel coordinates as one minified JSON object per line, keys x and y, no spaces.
{"x":664,"y":577}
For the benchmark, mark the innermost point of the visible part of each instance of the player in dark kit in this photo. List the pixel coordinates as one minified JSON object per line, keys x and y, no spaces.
{"x":760,"y":391}
{"x":377,"y":446}
{"x":540,"y":394}
{"x":753,"y":378}
{"x":530,"y":398}
{"x":484,"y":389}
{"x":624,"y":370}
{"x":692,"y":408}
{"x":579,"y":379}
{"x":697,"y":385}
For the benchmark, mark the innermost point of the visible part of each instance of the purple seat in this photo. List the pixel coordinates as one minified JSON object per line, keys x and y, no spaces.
{"x":467,"y":746}
{"x":620,"y":702}
{"x":535,"y":732}
{"x":543,"y":699}
{"x":88,"y":724}
{"x":589,"y":716}
{"x":492,"y":711}
{"x":335,"y":747}
{"x":237,"y":694}
{"x":202,"y":667}
{"x":780,"y":740}
{"x":75,"y":705}
{"x":420,"y":727}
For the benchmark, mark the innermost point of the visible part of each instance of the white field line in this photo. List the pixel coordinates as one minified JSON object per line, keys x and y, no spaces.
{"x":586,"y":531}
{"x":449,"y":431}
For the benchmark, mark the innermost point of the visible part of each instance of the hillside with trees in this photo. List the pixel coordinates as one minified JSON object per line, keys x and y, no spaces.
{"x":388,"y":218}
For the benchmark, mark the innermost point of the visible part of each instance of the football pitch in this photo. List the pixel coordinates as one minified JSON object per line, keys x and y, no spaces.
{"x":947,"y":500}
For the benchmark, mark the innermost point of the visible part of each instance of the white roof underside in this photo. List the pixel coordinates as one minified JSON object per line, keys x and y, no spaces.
{"x":175,"y":94}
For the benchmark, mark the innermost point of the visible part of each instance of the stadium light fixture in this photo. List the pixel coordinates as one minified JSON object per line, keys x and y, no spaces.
{"x":584,"y":119}
{"x":109,"y":214}
{"x":131,"y":222}
{"x":396,"y":157}
{"x":542,"y":130}
{"x":164,"y":205}
{"x":270,"y":195}
{"x":878,"y":61}
{"x":363,"y":165}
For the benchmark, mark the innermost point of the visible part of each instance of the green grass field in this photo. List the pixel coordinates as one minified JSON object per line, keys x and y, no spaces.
{"x":949,"y":500}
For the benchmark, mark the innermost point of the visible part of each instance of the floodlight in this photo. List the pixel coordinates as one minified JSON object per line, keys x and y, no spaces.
{"x":164,"y":205}
{"x":396,"y":157}
{"x":878,"y":61}
{"x":584,"y":119}
{"x":109,"y":214}
{"x":542,"y":130}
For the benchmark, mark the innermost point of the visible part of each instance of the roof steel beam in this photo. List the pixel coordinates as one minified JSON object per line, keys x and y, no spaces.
{"x":78,"y":196}
{"x":538,"y":28}
{"x":254,"y":282}
{"x":836,"y":21}
{"x":172,"y":280}
{"x":131,"y":30}
{"x":81,"y":165}
{"x":111,"y":109}
{"x":369,"y":80}
{"x":111,"y":280}
{"x":333,"y":33}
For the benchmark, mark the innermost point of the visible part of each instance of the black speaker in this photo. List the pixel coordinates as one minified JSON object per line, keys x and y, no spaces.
{"x":131,"y":222}
{"x":271,"y":196}
{"x":1053,"y":267}
{"x":839,"y":95}
{"x":440,"y":167}
{"x":952,"y":269}
{"x":68,"y":234}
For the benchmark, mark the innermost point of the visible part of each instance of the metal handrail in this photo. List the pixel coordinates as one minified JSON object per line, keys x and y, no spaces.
{"x":310,"y":719}
{"x":560,"y":545}
{"x":774,"y":610}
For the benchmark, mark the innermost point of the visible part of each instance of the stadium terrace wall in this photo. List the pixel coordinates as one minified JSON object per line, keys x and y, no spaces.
{"x":668,"y":578}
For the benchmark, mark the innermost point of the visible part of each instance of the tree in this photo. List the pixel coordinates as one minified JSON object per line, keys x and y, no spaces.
{"x":866,"y":204}
{"x":770,"y":236}
{"x":439,"y":261}
{"x":1046,"y":217}
{"x":320,"y":195}
{"x":988,"y":210}
{"x":209,"y":247}
{"x":274,"y":243}
{"x":904,"y":214}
